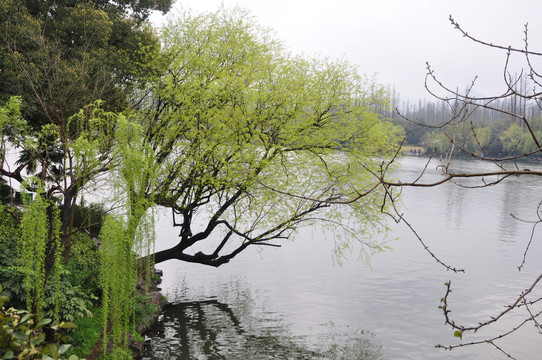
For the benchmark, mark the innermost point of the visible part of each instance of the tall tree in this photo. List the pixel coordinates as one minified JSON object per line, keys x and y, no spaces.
{"x":66,"y":60}
{"x":246,"y":142}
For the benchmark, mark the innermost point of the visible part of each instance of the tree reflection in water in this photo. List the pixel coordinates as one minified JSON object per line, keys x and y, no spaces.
{"x":211,"y":329}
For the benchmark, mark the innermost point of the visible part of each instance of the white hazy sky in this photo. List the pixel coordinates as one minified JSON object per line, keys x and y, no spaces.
{"x":394,"y":39}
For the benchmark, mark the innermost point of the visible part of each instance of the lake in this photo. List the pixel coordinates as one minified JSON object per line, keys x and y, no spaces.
{"x":294,"y":302}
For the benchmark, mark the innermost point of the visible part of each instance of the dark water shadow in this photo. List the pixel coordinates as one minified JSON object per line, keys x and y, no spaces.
{"x":210,"y":329}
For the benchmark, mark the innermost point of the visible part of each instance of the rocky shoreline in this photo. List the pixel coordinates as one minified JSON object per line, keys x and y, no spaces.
{"x":158,"y":301}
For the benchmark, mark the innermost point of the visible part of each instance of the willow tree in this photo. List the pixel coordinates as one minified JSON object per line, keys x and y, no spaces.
{"x":250,"y":142}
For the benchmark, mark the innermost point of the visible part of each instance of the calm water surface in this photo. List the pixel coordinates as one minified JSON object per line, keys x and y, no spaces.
{"x":294,"y":303}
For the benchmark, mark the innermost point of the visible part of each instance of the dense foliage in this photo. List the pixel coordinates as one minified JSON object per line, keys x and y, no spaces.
{"x":22,"y":335}
{"x":242,"y":140}
{"x":63,"y":64}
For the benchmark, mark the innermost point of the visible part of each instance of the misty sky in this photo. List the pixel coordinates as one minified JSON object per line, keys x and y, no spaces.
{"x":395,"y":38}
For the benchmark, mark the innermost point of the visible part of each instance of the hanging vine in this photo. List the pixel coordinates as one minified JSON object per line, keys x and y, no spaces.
{"x":117,"y":281}
{"x":127,"y":236}
{"x":40,"y":242}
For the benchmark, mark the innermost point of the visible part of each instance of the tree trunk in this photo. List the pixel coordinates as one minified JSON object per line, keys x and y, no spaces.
{"x":66,"y":227}
{"x":174,"y":253}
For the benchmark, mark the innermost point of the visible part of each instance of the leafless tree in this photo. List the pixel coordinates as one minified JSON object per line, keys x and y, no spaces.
{"x":462,"y":105}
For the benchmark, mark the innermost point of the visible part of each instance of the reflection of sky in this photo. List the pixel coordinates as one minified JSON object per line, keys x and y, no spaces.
{"x":399,"y":296}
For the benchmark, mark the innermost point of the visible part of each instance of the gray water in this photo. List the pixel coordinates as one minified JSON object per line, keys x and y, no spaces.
{"x":295,"y":303}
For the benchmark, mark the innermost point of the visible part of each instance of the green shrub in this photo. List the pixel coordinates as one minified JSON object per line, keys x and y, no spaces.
{"x":11,"y":274}
{"x":73,"y":302}
{"x":22,"y":338}
{"x":84,"y":265}
{"x":13,"y":279}
{"x":87,"y":334}
{"x":79,"y":282}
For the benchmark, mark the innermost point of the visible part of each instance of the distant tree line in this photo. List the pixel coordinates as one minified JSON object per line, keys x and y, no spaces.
{"x":499,"y":133}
